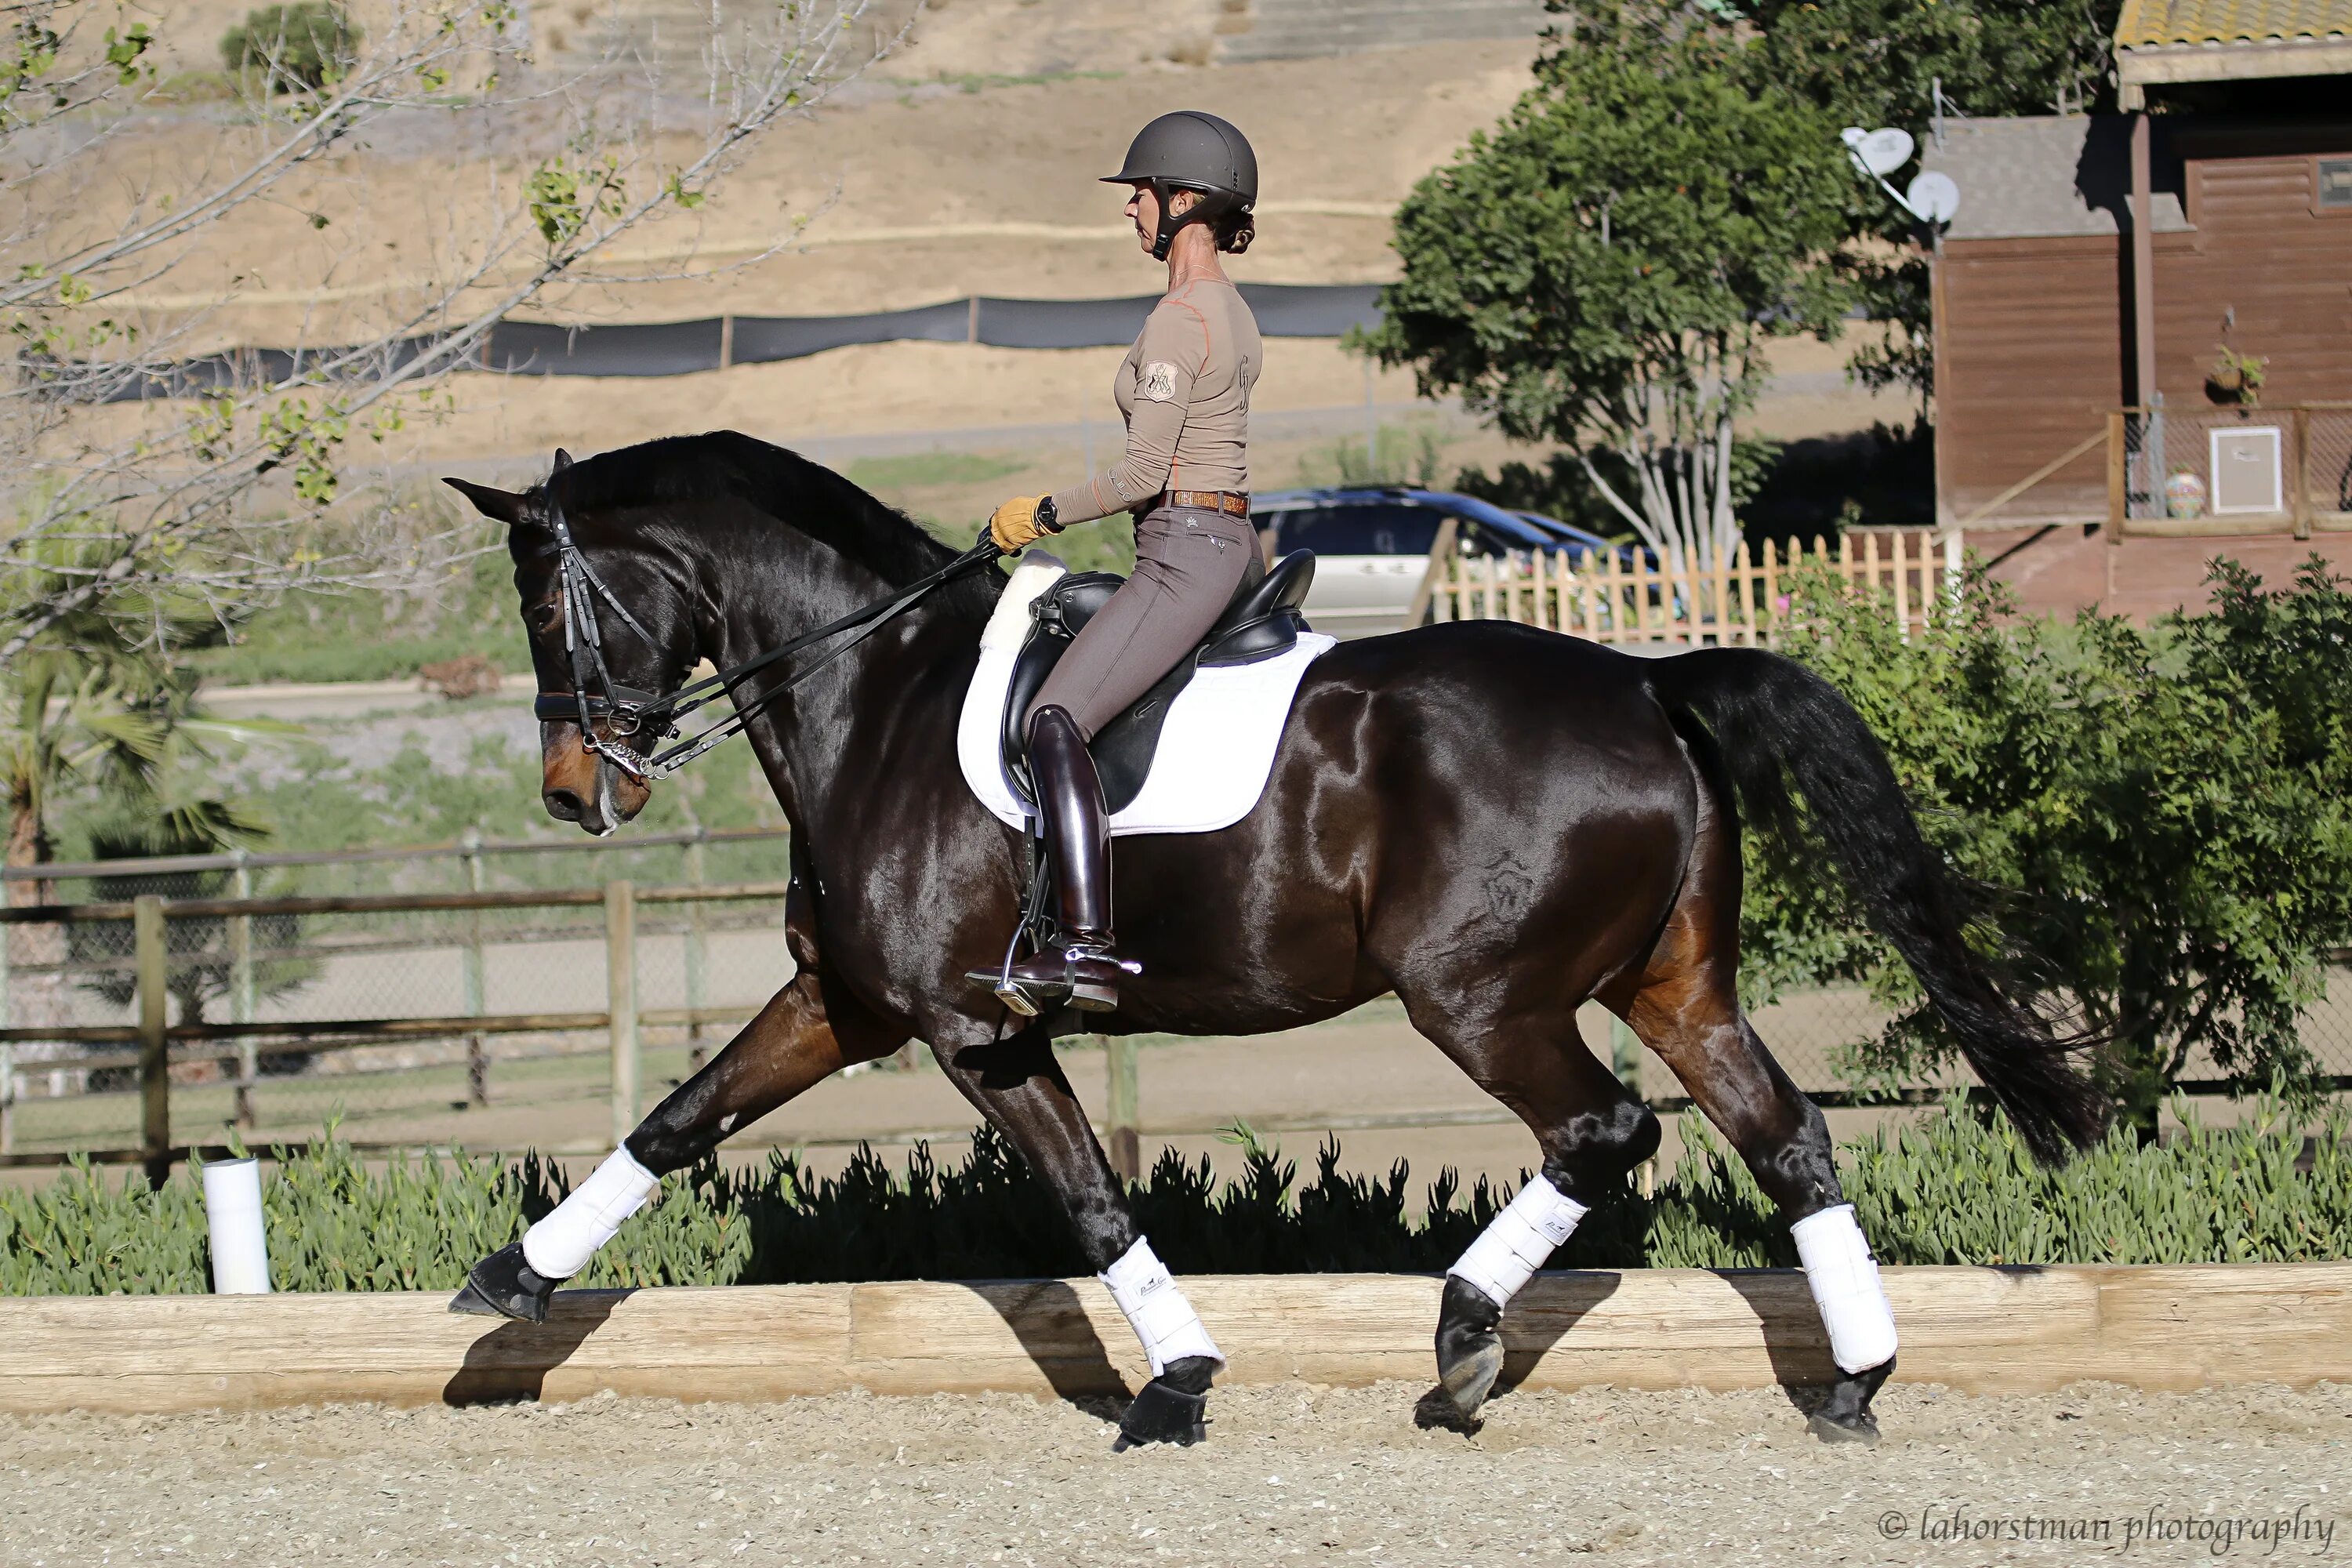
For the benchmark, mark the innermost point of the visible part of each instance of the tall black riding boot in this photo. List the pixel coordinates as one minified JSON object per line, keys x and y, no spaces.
{"x":1082,"y":972}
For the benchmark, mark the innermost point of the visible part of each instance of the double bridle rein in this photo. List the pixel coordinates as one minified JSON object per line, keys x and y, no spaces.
{"x":627,"y":713}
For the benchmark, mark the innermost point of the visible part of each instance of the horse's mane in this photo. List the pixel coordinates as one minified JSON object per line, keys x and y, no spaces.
{"x":725,"y":465}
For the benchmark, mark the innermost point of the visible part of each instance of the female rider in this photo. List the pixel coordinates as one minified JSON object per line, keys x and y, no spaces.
{"x":1184,"y":391}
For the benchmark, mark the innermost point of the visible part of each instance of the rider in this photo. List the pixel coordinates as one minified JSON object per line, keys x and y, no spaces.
{"x":1184,"y":391}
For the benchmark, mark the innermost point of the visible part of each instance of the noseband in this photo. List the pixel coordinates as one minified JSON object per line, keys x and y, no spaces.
{"x":628,"y":712}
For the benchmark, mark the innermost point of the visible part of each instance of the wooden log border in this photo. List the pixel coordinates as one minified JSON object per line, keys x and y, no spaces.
{"x":2024,"y":1329}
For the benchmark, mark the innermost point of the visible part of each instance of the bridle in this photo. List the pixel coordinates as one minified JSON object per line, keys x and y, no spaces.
{"x":628,"y":712}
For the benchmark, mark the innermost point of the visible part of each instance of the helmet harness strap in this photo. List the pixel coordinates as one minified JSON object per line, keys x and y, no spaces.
{"x":1212,"y":205}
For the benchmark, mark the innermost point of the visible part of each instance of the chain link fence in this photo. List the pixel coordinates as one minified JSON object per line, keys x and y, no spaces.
{"x":2223,"y":468}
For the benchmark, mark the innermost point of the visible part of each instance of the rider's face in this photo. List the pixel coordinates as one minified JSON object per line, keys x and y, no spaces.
{"x":1143,"y":210}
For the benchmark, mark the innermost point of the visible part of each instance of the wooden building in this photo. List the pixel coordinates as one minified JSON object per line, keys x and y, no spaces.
{"x":2079,"y":348}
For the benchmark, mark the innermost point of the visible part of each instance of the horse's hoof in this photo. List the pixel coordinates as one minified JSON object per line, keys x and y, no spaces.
{"x":503,"y":1285}
{"x":1844,"y":1417}
{"x":1173,"y":1408}
{"x":1469,"y":1359}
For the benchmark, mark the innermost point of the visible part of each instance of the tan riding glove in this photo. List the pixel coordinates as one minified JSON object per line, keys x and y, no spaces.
{"x":1016,"y":524}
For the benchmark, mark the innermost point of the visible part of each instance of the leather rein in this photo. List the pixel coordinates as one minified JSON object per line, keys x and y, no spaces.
{"x":628,"y":712}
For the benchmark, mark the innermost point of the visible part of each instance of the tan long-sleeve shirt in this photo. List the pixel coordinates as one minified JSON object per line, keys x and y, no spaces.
{"x":1183,"y":390}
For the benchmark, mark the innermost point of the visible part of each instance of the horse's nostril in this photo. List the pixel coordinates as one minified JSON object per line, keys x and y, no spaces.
{"x":562,"y":804}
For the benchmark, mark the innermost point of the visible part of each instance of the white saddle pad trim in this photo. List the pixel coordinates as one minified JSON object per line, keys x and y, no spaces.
{"x":1216,"y":745}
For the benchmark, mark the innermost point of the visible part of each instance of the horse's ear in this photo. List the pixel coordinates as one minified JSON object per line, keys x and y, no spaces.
{"x":503,"y":506}
{"x":563,"y":460}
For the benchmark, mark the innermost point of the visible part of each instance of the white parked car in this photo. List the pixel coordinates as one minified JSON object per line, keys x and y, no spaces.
{"x":1373,"y":545}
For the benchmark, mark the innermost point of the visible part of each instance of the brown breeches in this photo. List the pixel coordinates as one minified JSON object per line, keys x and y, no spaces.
{"x":1189,"y":564}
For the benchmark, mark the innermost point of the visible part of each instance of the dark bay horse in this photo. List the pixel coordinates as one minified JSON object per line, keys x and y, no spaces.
{"x":1495,"y":822}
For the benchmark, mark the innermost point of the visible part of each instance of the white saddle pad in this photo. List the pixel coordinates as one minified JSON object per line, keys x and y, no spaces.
{"x":1216,"y":745}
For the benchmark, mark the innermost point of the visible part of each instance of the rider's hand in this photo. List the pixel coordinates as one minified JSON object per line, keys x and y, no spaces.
{"x":1015,"y":523}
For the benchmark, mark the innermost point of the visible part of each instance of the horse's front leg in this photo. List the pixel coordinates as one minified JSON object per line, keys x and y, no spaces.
{"x":796,"y":1042}
{"x":1019,"y":1086}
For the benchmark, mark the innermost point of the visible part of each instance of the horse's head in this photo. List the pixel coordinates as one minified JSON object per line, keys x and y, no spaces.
{"x":607,"y":612}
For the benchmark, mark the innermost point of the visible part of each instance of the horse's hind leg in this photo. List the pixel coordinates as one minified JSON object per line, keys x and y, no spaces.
{"x":1592,"y":1132}
{"x":1686,"y":1007}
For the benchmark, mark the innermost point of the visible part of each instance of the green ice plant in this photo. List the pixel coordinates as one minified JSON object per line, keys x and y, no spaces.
{"x":1956,"y":1187}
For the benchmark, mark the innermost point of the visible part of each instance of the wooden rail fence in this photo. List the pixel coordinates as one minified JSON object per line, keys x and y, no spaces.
{"x":153,"y":1037}
{"x":1629,"y":597}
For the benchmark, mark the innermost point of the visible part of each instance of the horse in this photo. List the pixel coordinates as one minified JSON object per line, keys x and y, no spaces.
{"x":1494,"y":822}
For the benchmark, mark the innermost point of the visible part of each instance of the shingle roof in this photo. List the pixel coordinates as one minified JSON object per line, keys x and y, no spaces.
{"x":2041,"y":175}
{"x":2159,"y":24}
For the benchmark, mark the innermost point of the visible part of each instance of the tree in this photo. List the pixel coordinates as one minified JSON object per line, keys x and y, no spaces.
{"x":1881,"y":62}
{"x":115,"y":201}
{"x":2175,"y":800}
{"x":1608,"y":266}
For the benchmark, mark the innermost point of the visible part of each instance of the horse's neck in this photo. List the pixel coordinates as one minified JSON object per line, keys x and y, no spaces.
{"x":901,"y":676}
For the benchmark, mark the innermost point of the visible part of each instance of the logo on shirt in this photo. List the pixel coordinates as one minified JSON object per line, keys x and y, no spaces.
{"x":1157,"y":382}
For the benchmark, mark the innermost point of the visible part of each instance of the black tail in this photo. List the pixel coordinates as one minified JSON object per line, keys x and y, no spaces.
{"x":1773,"y":721}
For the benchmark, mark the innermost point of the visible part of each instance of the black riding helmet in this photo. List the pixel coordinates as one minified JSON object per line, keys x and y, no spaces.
{"x":1190,"y":151}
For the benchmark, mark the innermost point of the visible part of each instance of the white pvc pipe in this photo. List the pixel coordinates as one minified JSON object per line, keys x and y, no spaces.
{"x":233,"y":1211}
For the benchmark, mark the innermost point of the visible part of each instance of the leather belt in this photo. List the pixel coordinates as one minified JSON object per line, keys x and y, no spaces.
{"x":1233,"y":503}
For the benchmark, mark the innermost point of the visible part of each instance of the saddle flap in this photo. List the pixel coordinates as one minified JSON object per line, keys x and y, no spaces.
{"x":1262,"y":621}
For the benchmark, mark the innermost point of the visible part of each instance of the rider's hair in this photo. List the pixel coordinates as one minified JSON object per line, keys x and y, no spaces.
{"x":1233,"y":231}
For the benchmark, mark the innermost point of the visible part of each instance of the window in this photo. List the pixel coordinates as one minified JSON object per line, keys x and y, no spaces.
{"x":1369,"y":529}
{"x":2335,"y":194}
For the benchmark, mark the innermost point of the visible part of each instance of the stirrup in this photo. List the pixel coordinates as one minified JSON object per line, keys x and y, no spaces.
{"x":1032,"y":997}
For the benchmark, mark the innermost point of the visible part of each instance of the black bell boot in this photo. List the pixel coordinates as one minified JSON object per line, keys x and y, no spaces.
{"x":1082,"y":972}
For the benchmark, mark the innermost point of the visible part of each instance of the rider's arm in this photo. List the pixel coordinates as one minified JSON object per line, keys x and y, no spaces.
{"x":1169,"y":354}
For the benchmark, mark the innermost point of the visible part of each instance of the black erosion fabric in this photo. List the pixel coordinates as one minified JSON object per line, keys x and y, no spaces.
{"x":1312,"y":310}
{"x":664,"y":348}
{"x":1063,"y":323}
{"x":762,"y":340}
{"x":684,"y":348}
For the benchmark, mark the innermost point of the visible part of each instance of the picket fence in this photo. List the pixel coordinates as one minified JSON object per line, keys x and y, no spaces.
{"x":1625,"y":596}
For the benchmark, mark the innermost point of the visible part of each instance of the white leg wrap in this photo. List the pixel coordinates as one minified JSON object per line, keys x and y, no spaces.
{"x":1510,"y":1250}
{"x":559,"y":1246}
{"x":1170,"y":1331}
{"x":1844,"y":1281}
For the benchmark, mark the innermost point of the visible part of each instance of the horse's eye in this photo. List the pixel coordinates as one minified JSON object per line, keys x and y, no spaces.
{"x":542,"y":618}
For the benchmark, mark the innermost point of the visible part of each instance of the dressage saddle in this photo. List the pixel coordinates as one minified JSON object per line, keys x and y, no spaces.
{"x":1263,"y":620}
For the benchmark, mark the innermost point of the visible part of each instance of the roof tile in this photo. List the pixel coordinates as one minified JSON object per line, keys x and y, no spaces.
{"x":2156,"y":23}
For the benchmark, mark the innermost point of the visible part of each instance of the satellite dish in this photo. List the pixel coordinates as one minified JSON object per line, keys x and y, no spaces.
{"x":1933,"y":197}
{"x":1881,"y":152}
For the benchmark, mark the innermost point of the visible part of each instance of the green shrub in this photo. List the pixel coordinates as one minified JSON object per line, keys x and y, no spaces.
{"x":304,"y":45}
{"x":1955,"y":1188}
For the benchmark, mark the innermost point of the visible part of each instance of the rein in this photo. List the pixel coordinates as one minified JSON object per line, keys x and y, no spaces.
{"x":626,"y":711}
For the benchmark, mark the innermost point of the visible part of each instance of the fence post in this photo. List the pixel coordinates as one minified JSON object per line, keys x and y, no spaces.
{"x":2118,"y":475}
{"x":150,"y":962}
{"x":696,"y":922}
{"x":243,"y":999}
{"x":477,"y":1053}
{"x":2299,"y":467}
{"x":1125,"y":1141}
{"x":7,"y":1048}
{"x":620,"y":1001}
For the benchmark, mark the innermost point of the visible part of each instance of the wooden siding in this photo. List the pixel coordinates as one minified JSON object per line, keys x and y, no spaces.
{"x":2032,"y":330}
{"x":2030,"y":360}
{"x":2257,"y":246}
